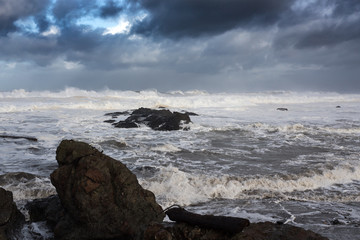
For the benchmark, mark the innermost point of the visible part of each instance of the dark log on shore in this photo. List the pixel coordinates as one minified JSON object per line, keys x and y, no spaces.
{"x":18,"y":137}
{"x":226,"y":224}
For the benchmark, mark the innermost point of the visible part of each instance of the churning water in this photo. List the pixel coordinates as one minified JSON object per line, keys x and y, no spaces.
{"x":241,"y":157}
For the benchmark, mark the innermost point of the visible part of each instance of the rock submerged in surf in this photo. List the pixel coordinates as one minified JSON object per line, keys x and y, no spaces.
{"x":10,"y":217}
{"x":156,"y":119}
{"x":269,"y":231}
{"x":47,"y":209}
{"x":101,"y":197}
{"x":258,"y":231}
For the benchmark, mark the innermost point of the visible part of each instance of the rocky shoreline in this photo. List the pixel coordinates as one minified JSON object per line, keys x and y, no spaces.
{"x":98,"y":197}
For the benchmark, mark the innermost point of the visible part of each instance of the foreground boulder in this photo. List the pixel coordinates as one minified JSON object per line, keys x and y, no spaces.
{"x":161,"y":119}
{"x":10,"y":217}
{"x":101,"y":197}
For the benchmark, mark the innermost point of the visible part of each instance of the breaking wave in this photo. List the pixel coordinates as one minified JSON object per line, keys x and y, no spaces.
{"x":166,"y":148}
{"x":25,"y":186}
{"x":73,"y":98}
{"x":173,"y":186}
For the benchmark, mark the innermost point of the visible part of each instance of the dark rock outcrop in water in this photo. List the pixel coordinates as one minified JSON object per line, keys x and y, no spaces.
{"x":10,"y":217}
{"x":162,"y":119}
{"x":255,"y":231}
{"x":46,"y":209}
{"x":270,"y":231}
{"x":101,"y":197}
{"x":19,"y":137}
{"x":190,"y":226}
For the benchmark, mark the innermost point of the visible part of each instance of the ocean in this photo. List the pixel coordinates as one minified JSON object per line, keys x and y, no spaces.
{"x":241,"y":157}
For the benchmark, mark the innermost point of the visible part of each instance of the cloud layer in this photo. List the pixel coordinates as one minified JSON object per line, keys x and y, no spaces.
{"x":182,"y":18}
{"x":235,"y":45}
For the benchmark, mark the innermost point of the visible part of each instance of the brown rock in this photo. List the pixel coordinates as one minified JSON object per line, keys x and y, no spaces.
{"x":101,"y":197}
{"x":156,"y":231}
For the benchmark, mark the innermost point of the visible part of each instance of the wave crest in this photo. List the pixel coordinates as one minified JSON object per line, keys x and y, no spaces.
{"x":173,"y":186}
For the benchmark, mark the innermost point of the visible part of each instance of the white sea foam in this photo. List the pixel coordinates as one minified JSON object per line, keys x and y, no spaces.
{"x":173,"y":186}
{"x":300,"y":128}
{"x":233,"y":150}
{"x":25,"y":189}
{"x":34,"y":230}
{"x":72,"y":98}
{"x":166,"y":148}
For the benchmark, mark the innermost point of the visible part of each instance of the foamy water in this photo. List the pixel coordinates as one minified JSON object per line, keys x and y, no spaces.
{"x":241,"y":156}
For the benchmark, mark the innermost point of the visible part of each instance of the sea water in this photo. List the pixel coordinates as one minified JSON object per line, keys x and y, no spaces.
{"x":241,"y":157}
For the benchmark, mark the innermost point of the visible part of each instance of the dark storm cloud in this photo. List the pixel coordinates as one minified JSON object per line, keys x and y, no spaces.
{"x":345,"y":7}
{"x":16,"y":48}
{"x":255,"y":42}
{"x":182,"y":18}
{"x":13,"y":10}
{"x":329,"y":35}
{"x":43,"y":50}
{"x":79,"y":40}
{"x":111,"y":9}
{"x":324,"y":23}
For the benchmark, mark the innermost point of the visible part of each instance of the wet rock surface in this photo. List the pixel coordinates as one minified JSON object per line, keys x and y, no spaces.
{"x":255,"y":231}
{"x":221,"y":223}
{"x":157,"y":119}
{"x":11,"y":219}
{"x":101,"y":197}
{"x":270,"y":231}
{"x":47,"y":209}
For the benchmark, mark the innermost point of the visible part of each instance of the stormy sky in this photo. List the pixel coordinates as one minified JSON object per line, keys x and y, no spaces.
{"x":213,"y":45}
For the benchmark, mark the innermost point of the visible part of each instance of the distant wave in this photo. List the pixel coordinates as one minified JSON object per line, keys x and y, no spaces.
{"x":73,"y":98}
